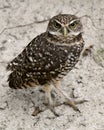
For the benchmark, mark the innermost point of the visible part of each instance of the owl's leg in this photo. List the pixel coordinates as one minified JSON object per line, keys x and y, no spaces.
{"x":48,"y":101}
{"x":48,"y":98}
{"x":68,"y":101}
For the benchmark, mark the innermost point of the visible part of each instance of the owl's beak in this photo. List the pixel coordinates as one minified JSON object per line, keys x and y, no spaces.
{"x":65,"y":32}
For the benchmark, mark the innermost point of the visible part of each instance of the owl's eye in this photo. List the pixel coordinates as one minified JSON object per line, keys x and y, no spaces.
{"x":73,"y":25}
{"x":56,"y":25}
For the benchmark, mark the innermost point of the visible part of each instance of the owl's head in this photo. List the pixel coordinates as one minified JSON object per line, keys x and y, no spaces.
{"x":64,"y":25}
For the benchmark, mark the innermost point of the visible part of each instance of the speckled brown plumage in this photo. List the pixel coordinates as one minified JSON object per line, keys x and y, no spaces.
{"x":49,"y":56}
{"x":42,"y":61}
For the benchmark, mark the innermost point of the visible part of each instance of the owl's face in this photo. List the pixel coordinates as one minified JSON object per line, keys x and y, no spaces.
{"x":64,"y":25}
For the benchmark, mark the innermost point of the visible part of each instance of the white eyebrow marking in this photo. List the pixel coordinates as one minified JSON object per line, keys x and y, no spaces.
{"x":58,"y":22}
{"x":73,"y":21}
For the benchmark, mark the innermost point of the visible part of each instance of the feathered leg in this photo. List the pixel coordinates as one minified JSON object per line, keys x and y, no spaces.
{"x":48,"y":101}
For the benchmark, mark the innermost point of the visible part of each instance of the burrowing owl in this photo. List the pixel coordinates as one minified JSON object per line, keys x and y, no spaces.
{"x":49,"y":57}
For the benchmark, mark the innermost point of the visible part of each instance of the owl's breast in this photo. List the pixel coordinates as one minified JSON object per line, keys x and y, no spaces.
{"x":50,"y":61}
{"x":71,"y":57}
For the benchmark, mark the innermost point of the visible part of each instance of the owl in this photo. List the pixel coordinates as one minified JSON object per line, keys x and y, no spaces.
{"x":49,"y":57}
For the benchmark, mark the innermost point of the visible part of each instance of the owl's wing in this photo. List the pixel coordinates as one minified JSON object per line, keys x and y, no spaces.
{"x":38,"y":56}
{"x":26,"y":59}
{"x":40,"y":62}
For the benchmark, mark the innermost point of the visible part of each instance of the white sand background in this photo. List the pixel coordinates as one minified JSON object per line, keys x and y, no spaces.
{"x":17,"y":29}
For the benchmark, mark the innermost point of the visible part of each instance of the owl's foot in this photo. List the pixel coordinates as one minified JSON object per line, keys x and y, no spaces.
{"x":74,"y":103}
{"x":36,"y":111}
{"x":68,"y":101}
{"x":50,"y":105}
{"x":48,"y":102}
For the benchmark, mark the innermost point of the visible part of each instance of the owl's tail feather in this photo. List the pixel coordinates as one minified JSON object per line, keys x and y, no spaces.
{"x":15,"y":80}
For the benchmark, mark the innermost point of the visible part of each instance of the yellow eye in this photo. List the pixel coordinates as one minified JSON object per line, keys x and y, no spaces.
{"x":73,"y":25}
{"x":57,"y":25}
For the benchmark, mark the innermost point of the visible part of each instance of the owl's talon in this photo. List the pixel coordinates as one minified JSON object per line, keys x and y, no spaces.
{"x":51,"y":108}
{"x":74,"y":103}
{"x":36,"y":111}
{"x":53,"y":111}
{"x":80,"y":101}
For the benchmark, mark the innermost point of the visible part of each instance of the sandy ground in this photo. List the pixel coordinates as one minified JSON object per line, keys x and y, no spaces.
{"x":17,"y":29}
